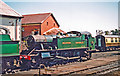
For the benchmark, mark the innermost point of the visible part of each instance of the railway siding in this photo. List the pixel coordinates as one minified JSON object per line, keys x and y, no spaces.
{"x":77,"y":67}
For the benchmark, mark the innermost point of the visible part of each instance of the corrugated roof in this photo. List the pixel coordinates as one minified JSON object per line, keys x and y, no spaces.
{"x":8,"y":11}
{"x":35,"y":18}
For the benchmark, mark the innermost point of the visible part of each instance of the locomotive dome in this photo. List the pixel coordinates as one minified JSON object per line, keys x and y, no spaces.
{"x":73,"y":33}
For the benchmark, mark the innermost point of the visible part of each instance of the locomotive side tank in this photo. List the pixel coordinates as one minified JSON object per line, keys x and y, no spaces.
{"x":71,"y":42}
{"x":8,"y":46}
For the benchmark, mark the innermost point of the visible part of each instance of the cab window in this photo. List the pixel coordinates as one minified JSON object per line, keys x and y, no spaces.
{"x":106,"y":40}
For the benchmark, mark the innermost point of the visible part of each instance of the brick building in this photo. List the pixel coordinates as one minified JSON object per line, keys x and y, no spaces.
{"x":39,"y":24}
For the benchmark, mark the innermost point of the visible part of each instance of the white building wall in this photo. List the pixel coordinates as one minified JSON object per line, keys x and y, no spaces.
{"x":18,"y":32}
{"x":5,"y":22}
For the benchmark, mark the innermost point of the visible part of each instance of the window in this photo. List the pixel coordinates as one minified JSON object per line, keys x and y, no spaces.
{"x":47,"y":23}
{"x":99,"y":42}
{"x":119,"y":39}
{"x":115,"y":39}
{"x":111,"y":39}
{"x":54,"y":24}
{"x":106,"y":40}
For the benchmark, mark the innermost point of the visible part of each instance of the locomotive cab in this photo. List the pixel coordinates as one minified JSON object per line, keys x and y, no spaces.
{"x":90,"y":40}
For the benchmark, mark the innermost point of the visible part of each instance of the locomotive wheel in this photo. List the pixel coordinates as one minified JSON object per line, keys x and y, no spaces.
{"x":16,"y":63}
{"x":25,"y":64}
{"x":9,"y":67}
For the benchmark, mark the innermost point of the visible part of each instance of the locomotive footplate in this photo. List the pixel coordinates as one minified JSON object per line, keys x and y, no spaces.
{"x":91,"y":51}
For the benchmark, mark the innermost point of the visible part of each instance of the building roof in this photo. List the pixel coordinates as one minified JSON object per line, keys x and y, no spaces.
{"x":36,"y":18}
{"x":112,"y":36}
{"x":53,"y":31}
{"x":5,"y":10}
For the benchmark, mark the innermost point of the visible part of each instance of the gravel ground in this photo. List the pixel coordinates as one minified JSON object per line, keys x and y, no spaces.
{"x":114,"y":73}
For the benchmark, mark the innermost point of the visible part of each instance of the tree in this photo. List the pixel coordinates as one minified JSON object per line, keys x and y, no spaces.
{"x":115,"y":32}
{"x":106,"y":32}
{"x":100,"y":32}
{"x":112,"y":31}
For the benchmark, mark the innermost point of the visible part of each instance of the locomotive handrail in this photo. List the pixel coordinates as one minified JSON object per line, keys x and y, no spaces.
{"x":74,"y":48}
{"x":31,"y":51}
{"x":61,"y":57}
{"x":67,"y":57}
{"x":73,"y":57}
{"x":42,"y":46}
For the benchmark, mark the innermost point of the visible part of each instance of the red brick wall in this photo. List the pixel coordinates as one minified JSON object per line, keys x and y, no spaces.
{"x":44,"y":27}
{"x":28,"y":29}
{"x":50,"y":25}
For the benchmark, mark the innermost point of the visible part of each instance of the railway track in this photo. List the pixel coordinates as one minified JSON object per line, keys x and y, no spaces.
{"x":95,"y":66}
{"x":99,"y":69}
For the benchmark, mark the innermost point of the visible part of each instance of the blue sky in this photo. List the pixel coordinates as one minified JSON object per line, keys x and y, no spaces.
{"x":77,"y":15}
{"x":61,"y":0}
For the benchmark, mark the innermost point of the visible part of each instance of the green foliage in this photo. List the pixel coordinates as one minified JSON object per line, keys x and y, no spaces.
{"x":106,"y":32}
{"x":115,"y":32}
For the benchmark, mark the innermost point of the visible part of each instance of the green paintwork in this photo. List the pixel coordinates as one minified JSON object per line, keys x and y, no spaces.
{"x":83,"y":37}
{"x":76,"y":42}
{"x":14,"y":54}
{"x":71,"y":42}
{"x":91,"y":43}
{"x":8,"y":48}
{"x":5,"y":37}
